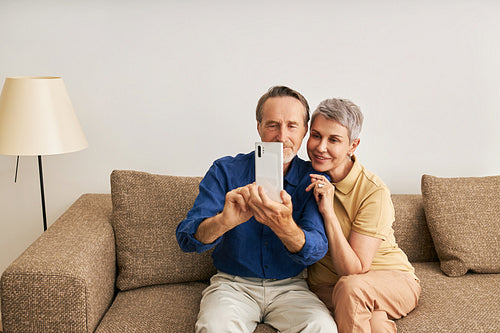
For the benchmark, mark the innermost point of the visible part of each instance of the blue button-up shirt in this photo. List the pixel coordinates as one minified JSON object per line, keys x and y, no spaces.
{"x":251,"y":249}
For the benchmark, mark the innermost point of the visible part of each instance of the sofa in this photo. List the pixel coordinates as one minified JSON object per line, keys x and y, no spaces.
{"x":111,"y":262}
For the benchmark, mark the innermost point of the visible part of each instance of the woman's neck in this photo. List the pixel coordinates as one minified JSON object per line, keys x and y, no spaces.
{"x":339,"y":173}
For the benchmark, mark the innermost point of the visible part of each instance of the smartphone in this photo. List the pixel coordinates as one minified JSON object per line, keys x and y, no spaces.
{"x":269,"y":168}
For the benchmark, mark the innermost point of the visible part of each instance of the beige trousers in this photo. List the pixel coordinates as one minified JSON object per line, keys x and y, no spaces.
{"x":235,"y":304}
{"x":370,"y":302}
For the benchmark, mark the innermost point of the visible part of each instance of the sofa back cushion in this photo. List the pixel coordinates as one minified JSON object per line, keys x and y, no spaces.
{"x":146,"y":211}
{"x":410,"y":228}
{"x":464,"y":220}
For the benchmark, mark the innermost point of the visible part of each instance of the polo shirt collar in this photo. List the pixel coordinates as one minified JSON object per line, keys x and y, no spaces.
{"x":347,"y":184}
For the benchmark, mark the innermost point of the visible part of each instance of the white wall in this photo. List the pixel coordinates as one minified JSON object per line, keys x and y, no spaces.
{"x":168,"y":86}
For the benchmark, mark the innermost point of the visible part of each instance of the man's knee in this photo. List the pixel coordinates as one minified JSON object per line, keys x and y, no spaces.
{"x":319,"y":319}
{"x":304,"y":314}
{"x":214,"y":324}
{"x":222,"y":309}
{"x":322,"y":323}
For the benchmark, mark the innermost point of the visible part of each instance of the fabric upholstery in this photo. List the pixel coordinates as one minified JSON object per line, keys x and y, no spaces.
{"x":464,"y":304}
{"x":468,"y":303}
{"x":162,"y":308}
{"x":410,"y":228}
{"x":463,"y":215}
{"x":64,"y":281}
{"x":146,"y":211}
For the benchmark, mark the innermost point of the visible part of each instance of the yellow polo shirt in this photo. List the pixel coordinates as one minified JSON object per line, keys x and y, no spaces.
{"x":363,"y":204}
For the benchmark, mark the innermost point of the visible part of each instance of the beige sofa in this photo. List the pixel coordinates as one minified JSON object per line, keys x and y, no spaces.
{"x":111,"y":263}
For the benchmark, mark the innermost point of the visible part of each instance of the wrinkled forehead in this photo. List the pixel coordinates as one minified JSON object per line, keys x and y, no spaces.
{"x":284,"y":110}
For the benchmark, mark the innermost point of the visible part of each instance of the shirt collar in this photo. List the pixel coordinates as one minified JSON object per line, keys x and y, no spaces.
{"x":347,"y":184}
{"x":292,"y":176}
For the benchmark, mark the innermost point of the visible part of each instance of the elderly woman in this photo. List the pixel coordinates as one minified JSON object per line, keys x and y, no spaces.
{"x":365,"y":279}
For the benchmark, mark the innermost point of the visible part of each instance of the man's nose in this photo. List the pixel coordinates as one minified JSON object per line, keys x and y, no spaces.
{"x":282,"y":133}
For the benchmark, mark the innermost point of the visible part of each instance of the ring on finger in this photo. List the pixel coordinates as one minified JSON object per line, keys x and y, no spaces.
{"x":320,"y":185}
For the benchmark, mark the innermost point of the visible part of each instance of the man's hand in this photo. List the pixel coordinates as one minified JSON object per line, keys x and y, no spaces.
{"x":236,"y":211}
{"x":277,"y":216}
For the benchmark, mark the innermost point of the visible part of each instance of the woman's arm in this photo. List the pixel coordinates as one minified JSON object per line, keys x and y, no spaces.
{"x":353,"y":255}
{"x":350,"y":256}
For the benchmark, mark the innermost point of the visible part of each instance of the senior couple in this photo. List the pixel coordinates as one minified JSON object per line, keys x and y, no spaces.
{"x":325,"y":258}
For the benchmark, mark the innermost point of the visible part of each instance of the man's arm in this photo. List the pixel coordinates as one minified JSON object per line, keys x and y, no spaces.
{"x":214,"y":212}
{"x":236,"y":211}
{"x":208,"y":203}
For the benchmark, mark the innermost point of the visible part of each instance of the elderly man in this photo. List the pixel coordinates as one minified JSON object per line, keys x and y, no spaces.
{"x":261,"y":247}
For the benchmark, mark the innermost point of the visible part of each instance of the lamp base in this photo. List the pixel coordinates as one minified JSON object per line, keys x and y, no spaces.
{"x":40,"y":172}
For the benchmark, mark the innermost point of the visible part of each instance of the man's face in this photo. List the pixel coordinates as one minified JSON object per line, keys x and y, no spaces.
{"x":283,"y":121}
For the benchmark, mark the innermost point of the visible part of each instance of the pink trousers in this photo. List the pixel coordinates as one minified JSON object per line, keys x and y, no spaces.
{"x":370,"y":302}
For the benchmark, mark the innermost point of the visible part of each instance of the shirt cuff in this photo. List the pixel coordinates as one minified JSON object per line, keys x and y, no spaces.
{"x":202,"y":247}
{"x":313,"y":250}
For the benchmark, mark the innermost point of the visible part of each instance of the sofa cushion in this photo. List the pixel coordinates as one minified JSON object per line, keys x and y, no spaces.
{"x":146,"y":211}
{"x":410,"y":228}
{"x":160,"y":308}
{"x":165,"y":308}
{"x":463,"y":215}
{"x":467,"y":303}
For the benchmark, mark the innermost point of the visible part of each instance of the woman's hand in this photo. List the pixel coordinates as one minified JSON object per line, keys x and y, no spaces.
{"x":324,"y":192}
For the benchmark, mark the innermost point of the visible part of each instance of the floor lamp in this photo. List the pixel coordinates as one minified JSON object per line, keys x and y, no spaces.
{"x":36,"y":119}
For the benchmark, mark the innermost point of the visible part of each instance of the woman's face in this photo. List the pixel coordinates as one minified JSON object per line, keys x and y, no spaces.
{"x":328,"y":146}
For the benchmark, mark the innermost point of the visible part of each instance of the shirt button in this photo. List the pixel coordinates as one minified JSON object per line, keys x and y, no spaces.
{"x":266,"y":267}
{"x":266,"y":243}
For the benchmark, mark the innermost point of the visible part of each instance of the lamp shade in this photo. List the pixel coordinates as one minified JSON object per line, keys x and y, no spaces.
{"x":37,"y":118}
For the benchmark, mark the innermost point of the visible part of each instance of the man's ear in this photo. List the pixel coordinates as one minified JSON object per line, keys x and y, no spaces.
{"x":258,"y":128}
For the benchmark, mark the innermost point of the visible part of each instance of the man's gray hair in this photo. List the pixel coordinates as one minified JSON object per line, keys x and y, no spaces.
{"x":282,"y":91}
{"x":343,"y":111}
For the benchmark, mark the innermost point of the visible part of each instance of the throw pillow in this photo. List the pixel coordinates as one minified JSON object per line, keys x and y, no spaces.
{"x":146,"y":211}
{"x":463,"y":215}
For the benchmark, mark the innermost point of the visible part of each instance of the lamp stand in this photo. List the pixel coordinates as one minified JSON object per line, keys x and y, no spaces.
{"x":40,"y":172}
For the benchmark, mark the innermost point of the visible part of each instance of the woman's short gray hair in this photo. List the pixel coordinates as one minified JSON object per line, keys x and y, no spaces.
{"x":343,"y":111}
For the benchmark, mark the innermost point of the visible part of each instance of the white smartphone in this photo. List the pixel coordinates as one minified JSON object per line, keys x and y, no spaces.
{"x":269,"y":168}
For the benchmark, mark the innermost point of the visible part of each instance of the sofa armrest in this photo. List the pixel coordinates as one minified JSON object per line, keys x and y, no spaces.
{"x":65,"y":280}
